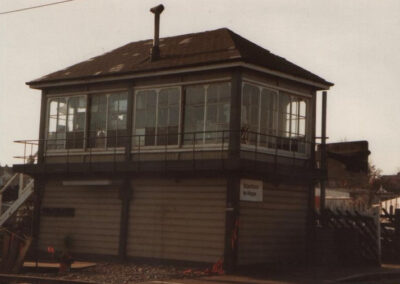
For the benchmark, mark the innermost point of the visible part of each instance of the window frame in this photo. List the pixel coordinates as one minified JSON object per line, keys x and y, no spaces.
{"x":108,"y":93}
{"x":180,"y":123}
{"x":64,"y":149}
{"x":88,"y":96}
{"x":203,"y":144}
{"x":308,"y":120}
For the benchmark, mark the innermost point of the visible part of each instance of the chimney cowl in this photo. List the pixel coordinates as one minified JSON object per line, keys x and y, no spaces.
{"x":155,"y":50}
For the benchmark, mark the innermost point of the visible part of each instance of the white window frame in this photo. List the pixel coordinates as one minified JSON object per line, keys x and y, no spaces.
{"x":85,"y":149}
{"x":291,"y":93}
{"x":155,"y":147}
{"x":49,"y":99}
{"x":108,"y":94}
{"x":204,"y":144}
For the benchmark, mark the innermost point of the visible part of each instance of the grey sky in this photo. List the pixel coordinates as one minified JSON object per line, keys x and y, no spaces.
{"x":355,"y":44}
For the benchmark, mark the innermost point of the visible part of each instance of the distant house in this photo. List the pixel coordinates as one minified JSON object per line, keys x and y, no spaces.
{"x":197,"y":149}
{"x":389,"y":192}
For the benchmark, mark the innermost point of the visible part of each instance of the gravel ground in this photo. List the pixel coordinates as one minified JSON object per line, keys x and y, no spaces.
{"x":112,"y":273}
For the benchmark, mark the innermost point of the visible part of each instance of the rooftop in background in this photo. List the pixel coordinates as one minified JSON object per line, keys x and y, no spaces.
{"x":190,"y":50}
{"x":391,"y":183}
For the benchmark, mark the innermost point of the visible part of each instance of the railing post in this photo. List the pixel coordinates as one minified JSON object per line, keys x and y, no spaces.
{"x":165,"y":153}
{"x":222,"y":148}
{"x":115,"y":157}
{"x":68,"y":159}
{"x":140,"y":138}
{"x":24,"y":152}
{"x":256,"y":150}
{"x":235,"y":117}
{"x":193,"y":150}
{"x":323,"y":152}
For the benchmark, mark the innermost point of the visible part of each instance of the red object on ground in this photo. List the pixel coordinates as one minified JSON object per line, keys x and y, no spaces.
{"x":50,"y":250}
{"x":217,"y":268}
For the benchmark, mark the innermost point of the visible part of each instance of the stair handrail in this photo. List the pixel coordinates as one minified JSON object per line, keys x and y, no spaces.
{"x":28,"y":190}
{"x":4,"y":188}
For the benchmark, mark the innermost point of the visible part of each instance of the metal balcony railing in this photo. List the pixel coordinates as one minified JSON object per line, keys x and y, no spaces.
{"x":165,"y":146}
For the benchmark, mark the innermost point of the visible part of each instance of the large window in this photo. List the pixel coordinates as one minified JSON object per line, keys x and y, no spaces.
{"x":107,"y":126}
{"x":66,"y":124}
{"x":273,"y":119}
{"x":157,"y":114}
{"x":207,"y":111}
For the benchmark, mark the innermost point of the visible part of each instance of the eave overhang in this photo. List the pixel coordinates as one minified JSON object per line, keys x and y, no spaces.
{"x":188,"y":69}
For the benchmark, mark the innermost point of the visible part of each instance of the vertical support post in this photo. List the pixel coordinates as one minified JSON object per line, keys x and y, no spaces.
{"x":377,"y":219}
{"x":235,"y":115}
{"x":42,"y":128}
{"x":86,"y":138}
{"x":397,"y":223}
{"x":1,"y":204}
{"x":323,"y":152}
{"x":231,"y":223}
{"x":125,"y":196}
{"x":38,"y":190}
{"x":311,"y":193}
{"x":129,"y":123}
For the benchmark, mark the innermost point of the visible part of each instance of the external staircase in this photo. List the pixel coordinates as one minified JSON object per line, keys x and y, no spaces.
{"x":10,"y":208}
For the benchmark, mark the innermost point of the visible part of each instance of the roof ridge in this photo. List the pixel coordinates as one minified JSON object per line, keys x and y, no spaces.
{"x":236,"y":37}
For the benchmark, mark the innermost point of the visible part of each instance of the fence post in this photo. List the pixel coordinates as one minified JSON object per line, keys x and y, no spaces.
{"x":377,"y":219}
{"x":397,"y":223}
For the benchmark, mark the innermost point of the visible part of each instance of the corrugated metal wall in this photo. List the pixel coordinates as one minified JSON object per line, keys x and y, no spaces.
{"x":95,"y":226}
{"x":177,"y":220}
{"x":273,"y":231}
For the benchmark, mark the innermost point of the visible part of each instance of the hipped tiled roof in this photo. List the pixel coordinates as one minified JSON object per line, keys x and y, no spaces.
{"x":190,"y":50}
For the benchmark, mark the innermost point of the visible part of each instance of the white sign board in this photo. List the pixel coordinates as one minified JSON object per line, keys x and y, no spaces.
{"x":251,"y":190}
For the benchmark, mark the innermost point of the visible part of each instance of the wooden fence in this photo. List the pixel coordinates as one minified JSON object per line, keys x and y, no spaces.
{"x":390,"y":235}
{"x":354,"y":237}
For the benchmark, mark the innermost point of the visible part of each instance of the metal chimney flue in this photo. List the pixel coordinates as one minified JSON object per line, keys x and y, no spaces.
{"x":155,"y":50}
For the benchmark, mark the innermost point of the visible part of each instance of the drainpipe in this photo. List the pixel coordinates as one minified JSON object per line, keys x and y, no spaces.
{"x":323,"y":153}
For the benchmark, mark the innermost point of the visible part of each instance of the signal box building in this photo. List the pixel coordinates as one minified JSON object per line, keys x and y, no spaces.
{"x":198,"y":147}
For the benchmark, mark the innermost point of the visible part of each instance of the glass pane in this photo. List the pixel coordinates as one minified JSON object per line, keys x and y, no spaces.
{"x":303,"y":108}
{"x":284,"y":115}
{"x":224,"y":92}
{"x":76,"y":122}
{"x":98,"y":123}
{"x":174,"y":116}
{"x":62,"y":115}
{"x":294,"y":126}
{"x":194,"y":114}
{"x":212,"y":94}
{"x":145,"y":117}
{"x":302,"y":127}
{"x":195,"y":95}
{"x":53,"y":106}
{"x":268,"y":118}
{"x":217,"y":111}
{"x":117,"y":108}
{"x":168,"y":116}
{"x":250,"y":114}
{"x":57,"y":124}
{"x":295,"y":106}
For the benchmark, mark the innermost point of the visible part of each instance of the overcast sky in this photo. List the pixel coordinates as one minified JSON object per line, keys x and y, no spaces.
{"x":355,"y":44}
